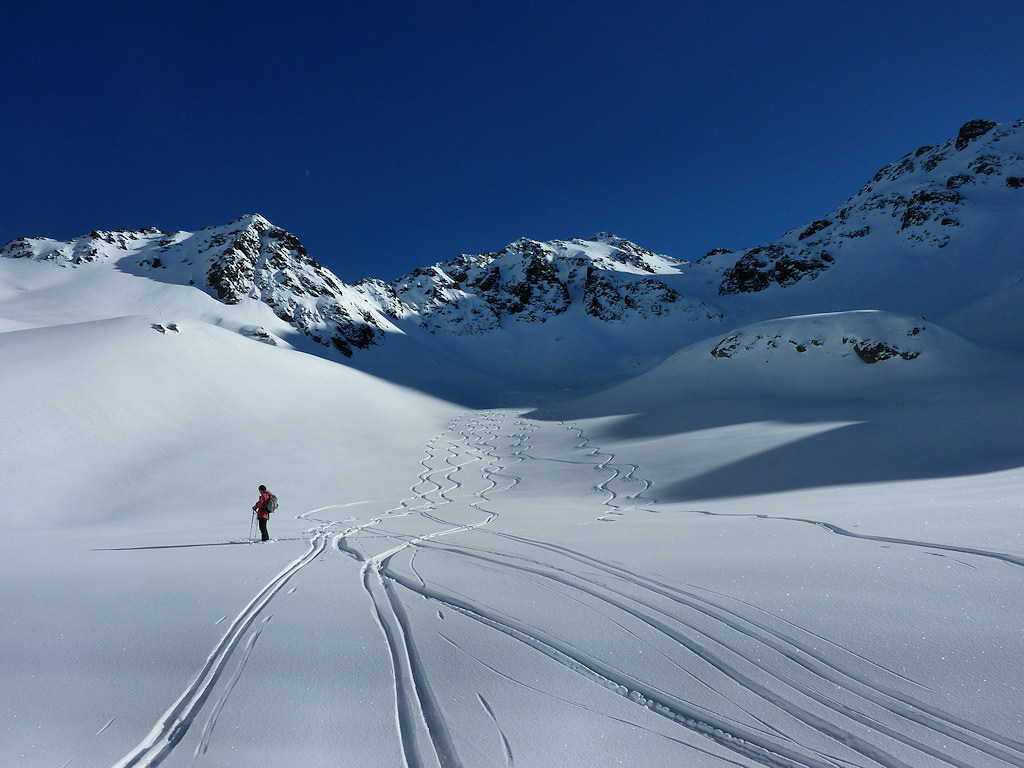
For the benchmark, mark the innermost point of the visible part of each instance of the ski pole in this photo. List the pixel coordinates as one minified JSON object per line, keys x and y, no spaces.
{"x":251,"y":523}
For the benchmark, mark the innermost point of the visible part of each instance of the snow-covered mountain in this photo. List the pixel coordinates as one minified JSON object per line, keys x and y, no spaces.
{"x":750,"y":509}
{"x":251,"y":260}
{"x":246,"y":261}
{"x":918,"y":205}
{"x":937,"y":234}
{"x":607,"y":277}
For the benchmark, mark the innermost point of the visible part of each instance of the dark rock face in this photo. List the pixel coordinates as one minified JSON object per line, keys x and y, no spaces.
{"x":775,"y":264}
{"x":601,"y":297}
{"x":920,"y":198}
{"x":611,"y":300}
{"x":971,"y":130}
{"x":251,"y":258}
{"x":20,"y":248}
{"x":533,"y":287}
{"x":815,"y":228}
{"x":751,"y":272}
{"x":876,"y":351}
{"x":930,"y":205}
{"x":792,"y":268}
{"x":530,"y":281}
{"x":474,"y":294}
{"x":762,"y":340}
{"x":726,"y":347}
{"x":959,"y":180}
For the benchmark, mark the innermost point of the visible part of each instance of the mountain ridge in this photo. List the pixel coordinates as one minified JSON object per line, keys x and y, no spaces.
{"x":937,"y":233}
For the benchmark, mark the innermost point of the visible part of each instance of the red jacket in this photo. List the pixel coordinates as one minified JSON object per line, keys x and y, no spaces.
{"x":261,"y":506}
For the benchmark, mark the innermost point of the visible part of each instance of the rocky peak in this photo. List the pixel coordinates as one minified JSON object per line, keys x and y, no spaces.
{"x":971,"y":130}
{"x":250,"y":252}
{"x":95,"y":246}
{"x":920,"y":200}
{"x":629,"y":253}
{"x":254,"y":259}
{"x":606,"y":277}
{"x":249,"y":259}
{"x":472,"y":294}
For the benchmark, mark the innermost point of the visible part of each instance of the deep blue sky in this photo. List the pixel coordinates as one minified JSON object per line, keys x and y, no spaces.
{"x":391,"y":135}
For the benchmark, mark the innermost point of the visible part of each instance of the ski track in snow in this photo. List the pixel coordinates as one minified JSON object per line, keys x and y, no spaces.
{"x":211,"y":721}
{"x":175,"y":722}
{"x":509,"y":757}
{"x":833,"y":528}
{"x":817,"y":704}
{"x":109,"y":723}
{"x":717,"y":636}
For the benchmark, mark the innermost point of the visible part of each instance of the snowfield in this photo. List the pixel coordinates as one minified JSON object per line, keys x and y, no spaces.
{"x":567,"y":505}
{"x":651,"y":575}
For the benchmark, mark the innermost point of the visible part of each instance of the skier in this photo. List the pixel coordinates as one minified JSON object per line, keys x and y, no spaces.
{"x":262,"y":513}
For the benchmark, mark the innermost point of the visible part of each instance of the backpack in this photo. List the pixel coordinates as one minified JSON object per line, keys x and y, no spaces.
{"x":271,"y":504}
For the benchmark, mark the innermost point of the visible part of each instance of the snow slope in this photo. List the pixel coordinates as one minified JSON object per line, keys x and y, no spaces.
{"x":130,"y":460}
{"x":787,"y":530}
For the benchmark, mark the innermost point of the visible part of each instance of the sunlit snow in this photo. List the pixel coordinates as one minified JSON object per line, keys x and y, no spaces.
{"x":761,"y":550}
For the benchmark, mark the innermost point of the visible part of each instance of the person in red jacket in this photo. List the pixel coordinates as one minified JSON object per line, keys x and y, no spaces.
{"x":260,"y":508}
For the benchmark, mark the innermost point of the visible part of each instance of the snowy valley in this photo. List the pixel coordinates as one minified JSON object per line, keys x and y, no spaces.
{"x":569,"y":503}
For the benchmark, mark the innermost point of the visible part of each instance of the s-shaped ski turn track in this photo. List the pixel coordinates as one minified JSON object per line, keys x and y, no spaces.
{"x":753,"y":687}
{"x":518,"y":614}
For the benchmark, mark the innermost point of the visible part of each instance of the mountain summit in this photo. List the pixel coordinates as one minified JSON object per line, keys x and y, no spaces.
{"x":919,"y":205}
